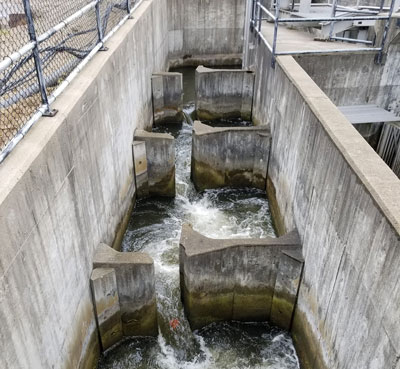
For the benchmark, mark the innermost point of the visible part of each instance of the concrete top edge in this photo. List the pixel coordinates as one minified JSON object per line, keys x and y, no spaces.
{"x":195,"y":243}
{"x":376,"y":176}
{"x":203,"y":69}
{"x":101,"y":272}
{"x":166,"y":74}
{"x":141,"y":134}
{"x":200,"y":128}
{"x":106,"y":255}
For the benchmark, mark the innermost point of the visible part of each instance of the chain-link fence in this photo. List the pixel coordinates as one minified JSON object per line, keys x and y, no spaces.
{"x":41,"y":42}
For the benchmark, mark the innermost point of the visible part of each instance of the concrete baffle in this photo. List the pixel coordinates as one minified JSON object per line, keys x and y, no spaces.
{"x":286,"y":288}
{"x":160,"y":156}
{"x":106,"y":302}
{"x":135,"y":280}
{"x":231,"y":279}
{"x":224,"y":93}
{"x":229,"y":156}
{"x":167,"y":93}
{"x":140,"y":164}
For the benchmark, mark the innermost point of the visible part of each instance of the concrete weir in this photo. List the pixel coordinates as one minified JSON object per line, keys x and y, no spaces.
{"x":224,"y":93}
{"x":159,"y":163}
{"x":123,"y":288}
{"x":167,"y":92}
{"x":231,"y":156}
{"x":239,"y":279}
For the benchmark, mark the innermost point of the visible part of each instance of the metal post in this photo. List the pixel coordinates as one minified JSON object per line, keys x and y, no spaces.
{"x":385,"y":33}
{"x":38,"y":62}
{"x":253,"y":15}
{"x":277,"y":7}
{"x":333,"y":15}
{"x":381,"y":6}
{"x":128,"y":8}
{"x":99,"y":27}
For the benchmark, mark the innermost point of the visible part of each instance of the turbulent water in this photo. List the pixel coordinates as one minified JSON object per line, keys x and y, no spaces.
{"x":155,"y":228}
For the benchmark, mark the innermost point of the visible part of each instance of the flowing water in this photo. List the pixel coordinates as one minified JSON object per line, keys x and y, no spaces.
{"x":155,"y":228}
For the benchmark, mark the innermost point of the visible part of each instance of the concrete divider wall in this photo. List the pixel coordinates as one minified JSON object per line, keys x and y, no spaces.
{"x":160,"y":155}
{"x":345,"y":204}
{"x":206,"y":31}
{"x":135,"y":282}
{"x":224,"y":93}
{"x":235,"y":279}
{"x":231,"y":156}
{"x":67,"y":187}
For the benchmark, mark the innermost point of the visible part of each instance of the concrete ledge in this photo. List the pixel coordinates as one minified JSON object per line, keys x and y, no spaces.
{"x":235,"y":279}
{"x":167,"y":94}
{"x":136,"y":289}
{"x":160,"y":154}
{"x":232,"y":156}
{"x":224,"y":93}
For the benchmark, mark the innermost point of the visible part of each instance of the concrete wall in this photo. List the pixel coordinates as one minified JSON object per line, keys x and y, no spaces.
{"x":160,"y":158}
{"x":345,"y":203}
{"x":67,"y":187}
{"x":235,"y":279}
{"x":232,"y":156}
{"x":205,"y":31}
{"x":356,"y":79}
{"x":135,"y":282}
{"x":223,"y":93}
{"x":167,"y":89}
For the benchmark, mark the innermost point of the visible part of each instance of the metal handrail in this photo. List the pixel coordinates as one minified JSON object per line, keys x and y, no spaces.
{"x":259,"y":9}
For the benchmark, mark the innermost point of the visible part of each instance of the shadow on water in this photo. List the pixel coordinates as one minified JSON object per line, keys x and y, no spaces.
{"x":155,"y":228}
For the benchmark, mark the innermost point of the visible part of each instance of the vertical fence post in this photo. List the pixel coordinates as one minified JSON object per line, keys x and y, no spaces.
{"x":333,"y":15}
{"x":128,"y":6}
{"x":277,"y":8}
{"x":99,"y":26}
{"x":37,"y":60}
{"x":379,"y":58}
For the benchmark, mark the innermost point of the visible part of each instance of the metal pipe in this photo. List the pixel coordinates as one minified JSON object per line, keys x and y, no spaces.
{"x":36,"y":55}
{"x":329,"y":19}
{"x":265,"y":41}
{"x":277,"y":7}
{"x":265,"y":10}
{"x":42,"y":109}
{"x":328,"y":51}
{"x":333,"y":15}
{"x":385,"y":33}
{"x":352,"y":40}
{"x":98,"y":22}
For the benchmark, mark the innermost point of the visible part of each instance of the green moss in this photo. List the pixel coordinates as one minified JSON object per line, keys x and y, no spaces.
{"x":111,"y":331}
{"x":307,"y":346}
{"x":282,"y":310}
{"x":142,"y":322}
{"x":166,"y":186}
{"x":206,"y":177}
{"x":203,"y":114}
{"x":92,"y":353}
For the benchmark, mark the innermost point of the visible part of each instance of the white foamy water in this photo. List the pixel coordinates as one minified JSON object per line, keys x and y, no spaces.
{"x":155,"y":228}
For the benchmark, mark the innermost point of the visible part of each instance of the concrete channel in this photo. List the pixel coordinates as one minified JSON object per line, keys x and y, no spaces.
{"x":84,"y":185}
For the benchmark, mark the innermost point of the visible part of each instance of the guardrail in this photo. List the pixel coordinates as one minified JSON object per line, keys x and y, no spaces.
{"x":32,"y":77}
{"x":257,"y":16}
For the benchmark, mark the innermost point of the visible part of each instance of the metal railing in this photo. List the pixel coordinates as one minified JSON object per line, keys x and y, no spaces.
{"x":44,"y":45}
{"x":257,"y":16}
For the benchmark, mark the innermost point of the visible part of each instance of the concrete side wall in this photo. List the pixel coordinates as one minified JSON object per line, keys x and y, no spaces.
{"x":64,"y":189}
{"x":160,"y":154}
{"x":356,"y":79}
{"x":233,"y":279}
{"x":223,"y":93}
{"x":345,"y":204}
{"x":236,"y":157}
{"x":205,"y":30}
